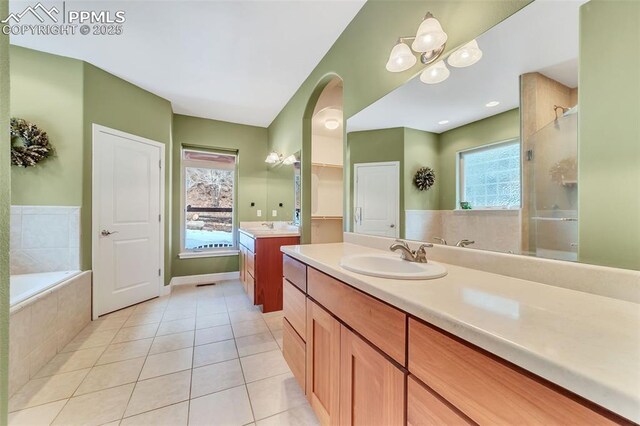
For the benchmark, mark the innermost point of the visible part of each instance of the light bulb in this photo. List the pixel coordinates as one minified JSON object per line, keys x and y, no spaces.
{"x":272,"y":158}
{"x":436,"y":73}
{"x":401,"y":58}
{"x":429,"y":36}
{"x":332,"y":124}
{"x":467,"y":55}
{"x":289,"y":160}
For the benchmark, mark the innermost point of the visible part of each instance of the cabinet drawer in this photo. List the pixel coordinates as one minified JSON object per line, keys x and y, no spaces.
{"x":247,"y":241}
{"x":295,"y":272}
{"x":251,"y":262}
{"x":424,"y":408}
{"x":294,"y":306}
{"x":489,"y":390}
{"x":378,"y":322}
{"x":293,"y":349}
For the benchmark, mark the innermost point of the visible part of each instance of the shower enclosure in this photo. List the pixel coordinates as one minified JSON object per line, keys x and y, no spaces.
{"x":553,"y":210}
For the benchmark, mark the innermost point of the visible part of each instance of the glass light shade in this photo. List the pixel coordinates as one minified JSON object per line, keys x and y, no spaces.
{"x":289,"y":160}
{"x":436,"y":73}
{"x":332,"y":124}
{"x":429,"y":36}
{"x":467,"y":55}
{"x":401,"y":58}
{"x":272,"y":158}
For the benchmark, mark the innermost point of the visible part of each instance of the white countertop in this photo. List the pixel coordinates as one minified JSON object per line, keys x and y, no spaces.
{"x":586,"y":343}
{"x":264,"y":232}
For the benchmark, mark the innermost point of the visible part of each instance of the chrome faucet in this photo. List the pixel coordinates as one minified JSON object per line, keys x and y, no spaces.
{"x":418,"y":256}
{"x":268,"y":224}
{"x":440,"y":240}
{"x":464,"y":243}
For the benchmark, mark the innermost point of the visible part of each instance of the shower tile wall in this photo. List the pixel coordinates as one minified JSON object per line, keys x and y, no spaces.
{"x":44,"y":239}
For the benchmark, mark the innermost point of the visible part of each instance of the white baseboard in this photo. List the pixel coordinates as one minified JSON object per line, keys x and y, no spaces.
{"x":204,"y":278}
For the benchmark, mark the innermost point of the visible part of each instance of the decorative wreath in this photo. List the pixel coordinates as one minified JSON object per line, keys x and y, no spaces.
{"x":425,"y":178}
{"x":29,"y":144}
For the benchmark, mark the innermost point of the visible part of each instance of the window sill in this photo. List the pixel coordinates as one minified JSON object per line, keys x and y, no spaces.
{"x":202,"y":254}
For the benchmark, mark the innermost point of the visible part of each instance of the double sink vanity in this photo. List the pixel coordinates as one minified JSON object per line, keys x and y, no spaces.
{"x":465,"y":347}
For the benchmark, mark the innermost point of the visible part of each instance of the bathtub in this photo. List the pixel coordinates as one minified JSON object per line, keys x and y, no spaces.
{"x":25,"y":286}
{"x":48,"y":310}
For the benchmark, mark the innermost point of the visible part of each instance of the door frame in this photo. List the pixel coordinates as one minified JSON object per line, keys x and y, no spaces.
{"x":357,"y":166}
{"x":95,"y":225}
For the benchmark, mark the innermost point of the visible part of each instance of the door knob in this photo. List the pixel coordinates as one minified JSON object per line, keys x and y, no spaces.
{"x":392,"y":225}
{"x":106,"y":233}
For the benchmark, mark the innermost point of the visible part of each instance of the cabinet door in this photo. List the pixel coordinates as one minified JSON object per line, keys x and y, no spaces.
{"x":371,"y":386}
{"x":425,"y":408}
{"x":242,"y":267}
{"x":323,"y":363}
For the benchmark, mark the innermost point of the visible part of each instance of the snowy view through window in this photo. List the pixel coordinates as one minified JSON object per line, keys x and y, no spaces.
{"x":209,"y":208}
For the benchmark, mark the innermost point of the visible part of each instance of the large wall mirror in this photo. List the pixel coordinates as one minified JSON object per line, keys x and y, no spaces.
{"x":488,"y":158}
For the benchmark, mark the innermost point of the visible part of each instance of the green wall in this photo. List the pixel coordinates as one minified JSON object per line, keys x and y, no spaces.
{"x":47,"y":90}
{"x":113,"y":102}
{"x":500,"y":127}
{"x":280,"y":190}
{"x":251,"y":144}
{"x":358,"y":57}
{"x":5,"y":203}
{"x":421,"y":149}
{"x":609,"y":134}
{"x":377,"y":146}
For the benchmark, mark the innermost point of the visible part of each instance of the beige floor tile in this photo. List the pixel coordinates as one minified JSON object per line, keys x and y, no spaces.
{"x":143,"y":319}
{"x":298,"y":416}
{"x":95,"y":408}
{"x":121,"y":313}
{"x":148,"y":308}
{"x":40,"y":415}
{"x":263,"y":365}
{"x":70,"y":361}
{"x":172,"y":342}
{"x":256,"y":343}
{"x":216,"y":377}
{"x":111,"y":375}
{"x":229,"y":407}
{"x":213,"y":320}
{"x":47,"y":389}
{"x":127,"y":350}
{"x":213,"y":334}
{"x":104,"y":323}
{"x":250,"y":314}
{"x":247,"y":328}
{"x":135,"y":333}
{"x":90,"y":340}
{"x":178,"y":326}
{"x":275,"y":395}
{"x":176,"y":314}
{"x":159,"y":392}
{"x":277,"y":334}
{"x":166,"y":363}
{"x":211,"y":306}
{"x":238,"y":302}
{"x":214,"y":352}
{"x":274,"y":322}
{"x":173,"y":415}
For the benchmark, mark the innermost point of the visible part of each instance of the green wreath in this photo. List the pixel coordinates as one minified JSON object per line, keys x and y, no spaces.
{"x":424,"y":178}
{"x":29,"y":145}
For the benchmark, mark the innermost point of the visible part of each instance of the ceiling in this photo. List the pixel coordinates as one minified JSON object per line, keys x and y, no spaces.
{"x":541,"y":37}
{"x":236,"y":61}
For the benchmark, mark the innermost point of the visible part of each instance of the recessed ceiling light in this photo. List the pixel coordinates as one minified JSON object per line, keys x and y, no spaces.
{"x":492,"y":104}
{"x":443,"y":122}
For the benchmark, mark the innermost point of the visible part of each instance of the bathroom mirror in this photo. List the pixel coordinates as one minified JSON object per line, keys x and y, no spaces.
{"x":283,"y":196}
{"x":500,"y":136}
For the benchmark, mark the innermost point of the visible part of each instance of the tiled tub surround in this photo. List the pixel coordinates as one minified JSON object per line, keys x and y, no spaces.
{"x":43,"y":325}
{"x":44,"y":239}
{"x":496,"y":230}
{"x":583,"y":342}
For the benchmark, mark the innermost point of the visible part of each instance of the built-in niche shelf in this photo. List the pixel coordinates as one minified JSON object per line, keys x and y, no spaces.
{"x":321,"y":217}
{"x":331,"y":166}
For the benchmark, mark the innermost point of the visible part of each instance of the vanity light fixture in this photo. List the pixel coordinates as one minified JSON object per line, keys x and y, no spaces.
{"x":429,"y":42}
{"x":436,"y":73}
{"x":332,"y":124}
{"x":273,"y":158}
{"x":289,"y":160}
{"x":492,"y":104}
{"x":443,"y":122}
{"x":465,"y":56}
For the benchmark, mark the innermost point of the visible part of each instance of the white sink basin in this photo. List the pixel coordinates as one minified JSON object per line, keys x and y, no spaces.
{"x":389,"y":266}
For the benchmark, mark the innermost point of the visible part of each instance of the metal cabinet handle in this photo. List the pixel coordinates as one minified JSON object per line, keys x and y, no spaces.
{"x":106,"y":233}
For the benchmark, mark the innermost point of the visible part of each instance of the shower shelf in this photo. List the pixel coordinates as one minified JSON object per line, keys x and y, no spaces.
{"x":557,"y":219}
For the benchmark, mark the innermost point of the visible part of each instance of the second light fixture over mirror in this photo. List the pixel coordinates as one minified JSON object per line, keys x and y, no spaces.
{"x":429,"y":42}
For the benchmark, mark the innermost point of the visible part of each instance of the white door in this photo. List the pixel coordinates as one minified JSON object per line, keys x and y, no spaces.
{"x":127,"y":223}
{"x":377,"y":198}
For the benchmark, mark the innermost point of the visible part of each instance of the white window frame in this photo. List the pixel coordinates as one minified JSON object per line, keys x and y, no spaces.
{"x":460,"y":174}
{"x":213,"y":251}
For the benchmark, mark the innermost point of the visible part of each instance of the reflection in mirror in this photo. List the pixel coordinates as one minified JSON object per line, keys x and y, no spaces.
{"x":284,"y":189}
{"x":499,"y":137}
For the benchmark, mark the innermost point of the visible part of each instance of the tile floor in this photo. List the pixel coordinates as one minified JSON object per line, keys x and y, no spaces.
{"x":202,"y":356}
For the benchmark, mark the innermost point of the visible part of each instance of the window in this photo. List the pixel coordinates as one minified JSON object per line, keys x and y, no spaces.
{"x":208,"y":194}
{"x":489,"y":176}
